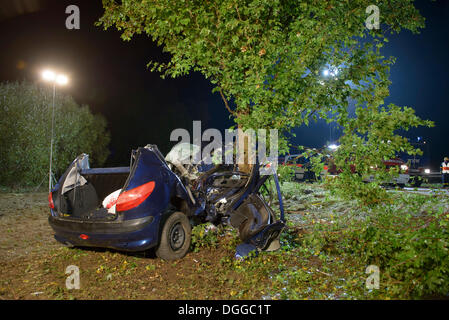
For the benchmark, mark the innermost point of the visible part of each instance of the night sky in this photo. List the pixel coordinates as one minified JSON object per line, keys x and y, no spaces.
{"x":110,"y":76}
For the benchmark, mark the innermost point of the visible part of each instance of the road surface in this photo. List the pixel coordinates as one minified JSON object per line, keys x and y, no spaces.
{"x":428,"y":191}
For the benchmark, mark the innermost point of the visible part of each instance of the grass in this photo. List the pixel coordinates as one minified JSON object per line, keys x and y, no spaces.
{"x":310,"y":265}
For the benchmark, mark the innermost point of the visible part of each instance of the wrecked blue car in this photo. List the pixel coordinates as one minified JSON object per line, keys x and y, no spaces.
{"x":155,"y":201}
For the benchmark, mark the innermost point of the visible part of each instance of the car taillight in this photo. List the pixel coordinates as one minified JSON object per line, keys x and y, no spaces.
{"x":50,"y":201}
{"x":134,"y":197}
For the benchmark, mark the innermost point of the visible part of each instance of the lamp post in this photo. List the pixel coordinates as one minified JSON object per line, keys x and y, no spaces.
{"x":330,"y":72}
{"x":55,"y":79}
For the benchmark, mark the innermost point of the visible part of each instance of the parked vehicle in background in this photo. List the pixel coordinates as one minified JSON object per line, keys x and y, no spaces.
{"x":401,"y":180}
{"x":417,"y":173}
{"x":419,"y":166}
{"x":304,"y":171}
{"x":303,"y":167}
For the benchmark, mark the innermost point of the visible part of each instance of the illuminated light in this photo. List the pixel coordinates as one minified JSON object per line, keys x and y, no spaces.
{"x":333,"y":147}
{"x":84,"y":236}
{"x":132,"y":198}
{"x":427,"y":171}
{"x":404,"y":167}
{"x":50,"y":201}
{"x":51,"y":76}
{"x":62,"y":80}
{"x":48,"y":75}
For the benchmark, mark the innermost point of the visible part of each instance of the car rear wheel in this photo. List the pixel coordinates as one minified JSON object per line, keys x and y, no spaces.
{"x":175,"y":237}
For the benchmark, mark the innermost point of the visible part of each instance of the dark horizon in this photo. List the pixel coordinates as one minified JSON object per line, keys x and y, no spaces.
{"x":110,"y":75}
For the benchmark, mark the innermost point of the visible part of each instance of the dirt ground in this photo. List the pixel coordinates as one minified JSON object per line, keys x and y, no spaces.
{"x":33,"y":264}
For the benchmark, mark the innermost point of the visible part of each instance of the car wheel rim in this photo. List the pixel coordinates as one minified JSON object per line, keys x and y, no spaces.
{"x":177,"y":236}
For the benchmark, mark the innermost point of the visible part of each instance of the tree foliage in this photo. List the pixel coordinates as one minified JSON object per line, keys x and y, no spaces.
{"x":266,"y":58}
{"x":369,"y":139}
{"x":25,"y":131}
{"x":407,"y":238}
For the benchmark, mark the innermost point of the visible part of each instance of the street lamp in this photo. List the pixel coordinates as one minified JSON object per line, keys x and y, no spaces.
{"x":55,"y":79}
{"x":330,"y":72}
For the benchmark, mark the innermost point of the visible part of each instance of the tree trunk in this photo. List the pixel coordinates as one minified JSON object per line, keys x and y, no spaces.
{"x":245,"y":166}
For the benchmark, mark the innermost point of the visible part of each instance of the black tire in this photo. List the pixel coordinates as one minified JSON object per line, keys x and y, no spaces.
{"x":175,"y":237}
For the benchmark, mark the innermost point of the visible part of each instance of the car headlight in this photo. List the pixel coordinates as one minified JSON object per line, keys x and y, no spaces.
{"x":404,"y":167}
{"x":427,"y":171}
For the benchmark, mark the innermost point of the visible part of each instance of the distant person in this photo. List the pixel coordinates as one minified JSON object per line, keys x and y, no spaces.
{"x":445,"y":172}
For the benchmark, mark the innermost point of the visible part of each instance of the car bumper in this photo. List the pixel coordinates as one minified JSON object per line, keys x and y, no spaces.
{"x":130,"y":235}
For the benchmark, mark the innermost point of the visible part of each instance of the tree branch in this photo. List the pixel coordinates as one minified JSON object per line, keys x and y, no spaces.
{"x":226,"y":102}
